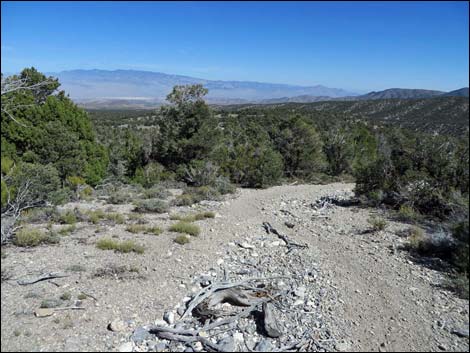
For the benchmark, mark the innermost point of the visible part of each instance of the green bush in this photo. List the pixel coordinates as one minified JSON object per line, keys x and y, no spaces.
{"x":67,"y":229}
{"x":124,"y":246}
{"x":135,"y":228}
{"x":151,"y":205}
{"x":185,"y":227}
{"x":156,"y":193}
{"x":117,"y":198}
{"x":192,"y":217}
{"x":377,"y":223}
{"x":184,"y":200}
{"x":153,"y":230}
{"x":68,"y":217}
{"x":407,"y":213}
{"x":27,"y":237}
{"x":223,"y":185}
{"x":182,"y":239}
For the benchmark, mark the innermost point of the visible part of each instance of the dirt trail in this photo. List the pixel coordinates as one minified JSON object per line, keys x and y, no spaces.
{"x":385,"y":301}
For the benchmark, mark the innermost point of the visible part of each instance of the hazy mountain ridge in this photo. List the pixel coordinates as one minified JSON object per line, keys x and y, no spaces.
{"x":128,"y":89}
{"x":104,"y":84}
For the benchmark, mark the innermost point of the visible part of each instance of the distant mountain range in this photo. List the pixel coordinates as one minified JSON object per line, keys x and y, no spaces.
{"x":121,"y":89}
{"x":147,"y":85}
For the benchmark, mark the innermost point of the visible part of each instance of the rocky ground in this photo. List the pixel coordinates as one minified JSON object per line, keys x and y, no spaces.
{"x":347,"y":290}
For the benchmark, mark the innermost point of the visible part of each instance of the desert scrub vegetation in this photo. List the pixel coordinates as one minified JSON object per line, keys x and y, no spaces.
{"x":407,"y":213}
{"x":125,"y":246}
{"x":29,"y":237}
{"x":68,"y":217}
{"x":192,"y":217}
{"x":192,"y":195}
{"x":185,"y":227}
{"x":151,"y":205}
{"x":377,"y":223}
{"x":182,"y":239}
{"x":98,"y":215}
{"x":119,"y":197}
{"x":156,"y":193}
{"x":67,"y":230}
{"x":140,"y":228}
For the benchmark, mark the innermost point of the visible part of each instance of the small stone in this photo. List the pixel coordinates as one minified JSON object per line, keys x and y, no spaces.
{"x":245,"y":245}
{"x":152,"y":345}
{"x":181,"y":311}
{"x":43,"y":312}
{"x":197,"y":346}
{"x":342,"y":347}
{"x":160,"y":347}
{"x":169,"y":317}
{"x":117,"y":325}
{"x":126,"y":347}
{"x":160,"y":322}
{"x":238,"y":338}
{"x":461,"y":332}
{"x":300,"y":291}
{"x":289,"y":225}
{"x":227,"y":344}
{"x":264,"y":346}
{"x":140,"y":335}
{"x":203,"y":334}
{"x":298,"y":302}
{"x":220,"y":262}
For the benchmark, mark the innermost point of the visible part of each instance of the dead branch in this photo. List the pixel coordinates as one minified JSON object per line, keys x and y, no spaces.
{"x":290,"y":244}
{"x":43,"y":277}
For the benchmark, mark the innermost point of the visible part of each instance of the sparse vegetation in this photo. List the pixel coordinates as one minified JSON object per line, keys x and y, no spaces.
{"x":67,"y":229}
{"x":125,"y":246}
{"x":185,"y":227}
{"x":377,"y":223}
{"x":76,"y":268}
{"x":135,"y":228}
{"x":66,"y":296}
{"x":182,"y":239}
{"x":68,"y":217}
{"x":151,"y":205}
{"x":28,"y":237}
{"x":81,"y":296}
{"x":192,"y":217}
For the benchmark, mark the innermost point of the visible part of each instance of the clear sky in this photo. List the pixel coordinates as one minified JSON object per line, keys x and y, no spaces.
{"x":351,"y":45}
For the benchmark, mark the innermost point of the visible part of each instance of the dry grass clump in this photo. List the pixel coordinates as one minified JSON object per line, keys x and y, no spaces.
{"x":185,"y":227}
{"x":125,"y":246}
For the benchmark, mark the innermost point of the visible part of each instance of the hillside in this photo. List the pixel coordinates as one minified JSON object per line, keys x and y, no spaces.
{"x":444,"y":115}
{"x":401,"y":93}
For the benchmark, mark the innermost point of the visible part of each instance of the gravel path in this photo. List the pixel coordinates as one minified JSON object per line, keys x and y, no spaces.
{"x":377,"y":298}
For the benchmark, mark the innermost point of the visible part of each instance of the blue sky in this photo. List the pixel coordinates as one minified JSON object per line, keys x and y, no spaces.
{"x":361,"y":45}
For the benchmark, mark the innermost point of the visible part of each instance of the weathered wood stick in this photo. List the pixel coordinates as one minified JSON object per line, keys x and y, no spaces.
{"x":43,"y":277}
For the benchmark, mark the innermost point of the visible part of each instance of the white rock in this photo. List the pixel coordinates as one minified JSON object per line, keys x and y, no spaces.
{"x":198,"y":347}
{"x":275,"y":243}
{"x":220,"y":262}
{"x":238,"y":337}
{"x":298,"y":302}
{"x":126,"y":347}
{"x":117,"y":325}
{"x":186,"y":299}
{"x":160,"y":322}
{"x":245,"y":245}
{"x":169,"y":317}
